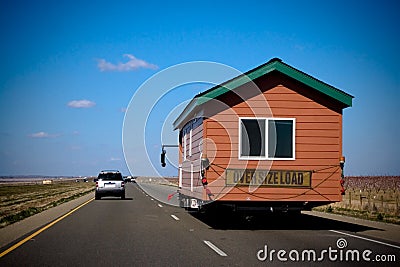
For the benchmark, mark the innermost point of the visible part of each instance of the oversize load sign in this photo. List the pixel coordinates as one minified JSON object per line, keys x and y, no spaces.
{"x":271,"y":178}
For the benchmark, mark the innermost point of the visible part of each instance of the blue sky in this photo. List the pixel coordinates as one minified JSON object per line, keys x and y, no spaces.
{"x":70,"y":68}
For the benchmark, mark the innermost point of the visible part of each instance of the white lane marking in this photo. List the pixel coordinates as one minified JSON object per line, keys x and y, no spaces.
{"x":367,"y":239}
{"x":176,"y":218}
{"x":159,"y":205}
{"x":215,"y":248}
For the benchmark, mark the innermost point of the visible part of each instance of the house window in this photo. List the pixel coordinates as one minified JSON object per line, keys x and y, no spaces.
{"x":184,"y":147}
{"x":252,"y":138}
{"x":281,"y":138}
{"x":267,"y":139}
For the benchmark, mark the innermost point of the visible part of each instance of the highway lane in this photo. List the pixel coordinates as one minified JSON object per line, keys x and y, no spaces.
{"x":113,"y":232}
{"x":163,"y":193}
{"x":142,"y":231}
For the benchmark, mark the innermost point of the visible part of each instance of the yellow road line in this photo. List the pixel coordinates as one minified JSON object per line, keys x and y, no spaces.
{"x":43,"y":229}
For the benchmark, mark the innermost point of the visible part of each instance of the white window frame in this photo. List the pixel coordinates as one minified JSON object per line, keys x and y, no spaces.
{"x":180,"y":175}
{"x":266,"y":157}
{"x":191,"y":176}
{"x":240,"y":140}
{"x":184,"y":146}
{"x":293,"y":137}
{"x":190,"y":142}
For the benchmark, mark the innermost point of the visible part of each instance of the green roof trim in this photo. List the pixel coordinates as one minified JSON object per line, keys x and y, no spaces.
{"x":275,"y":64}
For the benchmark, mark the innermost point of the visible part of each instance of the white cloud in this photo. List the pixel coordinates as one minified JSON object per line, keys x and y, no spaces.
{"x":133,"y":64}
{"x":81,"y":104}
{"x":43,"y":135}
{"x":115,"y":159}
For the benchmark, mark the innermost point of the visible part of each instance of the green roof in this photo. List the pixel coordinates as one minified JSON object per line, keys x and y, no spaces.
{"x":275,"y":64}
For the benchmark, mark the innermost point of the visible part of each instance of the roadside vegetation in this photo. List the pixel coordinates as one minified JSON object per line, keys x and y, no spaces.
{"x":21,"y":200}
{"x":369,"y":197}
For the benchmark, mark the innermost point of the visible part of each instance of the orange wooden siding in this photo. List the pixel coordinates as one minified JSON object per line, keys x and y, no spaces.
{"x":318,"y":143}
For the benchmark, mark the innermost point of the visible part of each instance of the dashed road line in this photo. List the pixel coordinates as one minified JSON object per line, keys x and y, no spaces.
{"x":215,"y":248}
{"x":160,"y":205}
{"x":176,"y":218}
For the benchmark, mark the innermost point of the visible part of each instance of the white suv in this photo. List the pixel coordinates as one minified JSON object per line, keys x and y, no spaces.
{"x":110,"y":183}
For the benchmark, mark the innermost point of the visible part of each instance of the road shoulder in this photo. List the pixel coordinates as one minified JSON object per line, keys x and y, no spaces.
{"x":15,"y":231}
{"x":378,"y":230}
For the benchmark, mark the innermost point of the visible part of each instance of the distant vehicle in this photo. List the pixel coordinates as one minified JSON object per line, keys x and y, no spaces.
{"x":110,"y":183}
{"x":128,"y":179}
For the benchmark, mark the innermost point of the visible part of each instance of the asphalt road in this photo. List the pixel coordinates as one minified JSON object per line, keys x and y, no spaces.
{"x":142,"y":231}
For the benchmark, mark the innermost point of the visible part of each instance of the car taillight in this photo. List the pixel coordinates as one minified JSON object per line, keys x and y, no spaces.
{"x":122,"y":184}
{"x":97,"y":184}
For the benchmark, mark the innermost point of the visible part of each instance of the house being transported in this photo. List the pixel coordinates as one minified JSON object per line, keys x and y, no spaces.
{"x":270,"y":139}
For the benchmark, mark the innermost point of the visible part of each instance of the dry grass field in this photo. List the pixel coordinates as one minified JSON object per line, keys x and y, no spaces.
{"x":370,"y":197}
{"x":21,"y":200}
